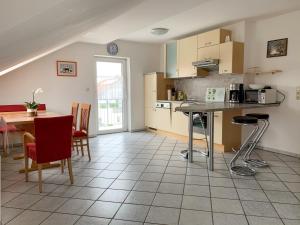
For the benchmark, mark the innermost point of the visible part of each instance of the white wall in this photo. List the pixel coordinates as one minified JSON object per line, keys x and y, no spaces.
{"x":60,"y":92}
{"x":283,"y":134}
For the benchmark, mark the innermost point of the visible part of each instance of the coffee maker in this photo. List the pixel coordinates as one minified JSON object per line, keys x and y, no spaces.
{"x":236,"y":93}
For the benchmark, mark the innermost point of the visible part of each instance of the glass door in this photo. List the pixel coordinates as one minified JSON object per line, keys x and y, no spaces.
{"x":111,"y":95}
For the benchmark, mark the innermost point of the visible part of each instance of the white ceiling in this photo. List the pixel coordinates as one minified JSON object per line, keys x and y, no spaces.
{"x":33,"y":28}
{"x":183,"y":17}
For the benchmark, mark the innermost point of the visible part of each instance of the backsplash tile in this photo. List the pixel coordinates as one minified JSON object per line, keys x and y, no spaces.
{"x":196,"y":87}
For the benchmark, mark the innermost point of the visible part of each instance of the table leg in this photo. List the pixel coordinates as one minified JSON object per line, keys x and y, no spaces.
{"x":190,"y":149}
{"x":211,"y":140}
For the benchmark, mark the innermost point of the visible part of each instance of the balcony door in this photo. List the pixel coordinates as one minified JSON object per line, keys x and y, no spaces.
{"x":111,"y":95}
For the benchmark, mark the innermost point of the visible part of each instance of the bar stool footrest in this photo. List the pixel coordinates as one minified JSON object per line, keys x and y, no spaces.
{"x":256,"y":163}
{"x":242,"y":170}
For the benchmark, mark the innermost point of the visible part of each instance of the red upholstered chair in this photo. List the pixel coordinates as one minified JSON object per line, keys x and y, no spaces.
{"x":52,"y":142}
{"x":82,"y":135}
{"x":4,"y":130}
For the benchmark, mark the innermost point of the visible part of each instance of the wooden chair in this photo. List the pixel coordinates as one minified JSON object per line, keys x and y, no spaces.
{"x":74,"y":113}
{"x":52,"y":142}
{"x":82,"y":135}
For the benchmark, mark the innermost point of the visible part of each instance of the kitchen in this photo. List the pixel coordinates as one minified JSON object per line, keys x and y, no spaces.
{"x":212,"y":53}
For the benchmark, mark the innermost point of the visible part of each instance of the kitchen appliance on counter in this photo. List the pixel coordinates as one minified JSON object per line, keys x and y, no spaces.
{"x":261,"y":96}
{"x":236,"y":93}
{"x":215,"y":95}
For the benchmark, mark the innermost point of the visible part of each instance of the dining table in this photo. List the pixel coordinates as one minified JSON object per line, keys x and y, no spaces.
{"x":25,"y":123}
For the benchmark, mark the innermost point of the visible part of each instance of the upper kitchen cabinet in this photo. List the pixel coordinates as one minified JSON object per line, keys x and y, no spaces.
{"x":211,"y":52}
{"x":171,"y":60}
{"x":186,"y":55}
{"x":231,"y":58}
{"x":213,"y":37}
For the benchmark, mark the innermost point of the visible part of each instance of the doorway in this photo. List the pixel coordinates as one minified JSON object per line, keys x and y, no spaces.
{"x":111,"y":95}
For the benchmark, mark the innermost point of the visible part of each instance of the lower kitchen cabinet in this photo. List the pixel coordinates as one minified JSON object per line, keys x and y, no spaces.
{"x":226,"y":134}
{"x":163,"y":119}
{"x":150,"y":117}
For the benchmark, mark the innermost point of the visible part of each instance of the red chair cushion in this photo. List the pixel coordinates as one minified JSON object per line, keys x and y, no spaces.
{"x":79,"y":133}
{"x":8,"y":128}
{"x":31,"y":151}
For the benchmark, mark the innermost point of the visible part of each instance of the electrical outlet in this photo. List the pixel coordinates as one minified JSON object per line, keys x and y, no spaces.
{"x":297,"y":93}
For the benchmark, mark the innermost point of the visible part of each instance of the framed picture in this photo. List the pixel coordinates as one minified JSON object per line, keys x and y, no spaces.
{"x":66,"y":68}
{"x":277,"y":48}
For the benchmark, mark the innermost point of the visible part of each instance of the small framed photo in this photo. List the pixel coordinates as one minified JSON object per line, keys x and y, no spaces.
{"x":66,"y":68}
{"x":277,"y":48}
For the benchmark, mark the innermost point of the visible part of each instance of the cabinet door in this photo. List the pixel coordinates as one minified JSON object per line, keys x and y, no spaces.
{"x":209,"y":38}
{"x":211,"y":52}
{"x":150,"y":90}
{"x":171,"y":60}
{"x":163,"y":119}
{"x":187,"y":54}
{"x":225,"y":65}
{"x":179,"y":121}
{"x":150,"y":117}
{"x":213,"y":37}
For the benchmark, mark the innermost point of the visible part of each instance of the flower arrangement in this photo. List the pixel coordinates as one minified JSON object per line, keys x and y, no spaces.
{"x":33,"y":105}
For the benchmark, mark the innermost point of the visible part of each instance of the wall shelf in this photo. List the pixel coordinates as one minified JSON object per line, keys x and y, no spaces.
{"x":257,"y":71}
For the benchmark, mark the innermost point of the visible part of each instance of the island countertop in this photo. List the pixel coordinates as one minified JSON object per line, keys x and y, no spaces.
{"x":220,"y":106}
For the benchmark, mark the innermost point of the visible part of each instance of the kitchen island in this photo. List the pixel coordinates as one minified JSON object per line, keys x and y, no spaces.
{"x":210,"y":109}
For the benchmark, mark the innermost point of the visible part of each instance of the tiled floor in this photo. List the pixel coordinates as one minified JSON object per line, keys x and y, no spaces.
{"x":139,"y":178}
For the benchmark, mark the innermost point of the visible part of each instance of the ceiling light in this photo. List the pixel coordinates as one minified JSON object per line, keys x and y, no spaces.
{"x":159,"y":31}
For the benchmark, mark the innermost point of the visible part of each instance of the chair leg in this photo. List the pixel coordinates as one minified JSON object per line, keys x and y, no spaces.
{"x":77,"y":149}
{"x":88,"y":148}
{"x":40,"y":177}
{"x":26,"y":167}
{"x":81,"y":147}
{"x":70,"y":170}
{"x":62,"y":162}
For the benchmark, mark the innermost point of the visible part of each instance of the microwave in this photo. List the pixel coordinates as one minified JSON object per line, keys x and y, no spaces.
{"x":261,"y":96}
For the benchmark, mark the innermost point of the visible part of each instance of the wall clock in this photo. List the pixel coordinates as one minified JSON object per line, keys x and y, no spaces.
{"x":112,"y":48}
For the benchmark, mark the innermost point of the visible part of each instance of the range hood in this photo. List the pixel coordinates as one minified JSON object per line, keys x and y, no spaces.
{"x":207,"y":64}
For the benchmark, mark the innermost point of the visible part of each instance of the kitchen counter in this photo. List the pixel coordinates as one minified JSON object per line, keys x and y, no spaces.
{"x":210,"y":109}
{"x":220,"y":106}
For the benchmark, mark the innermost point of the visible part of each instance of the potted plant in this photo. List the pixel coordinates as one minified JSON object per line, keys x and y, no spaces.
{"x":32,"y":106}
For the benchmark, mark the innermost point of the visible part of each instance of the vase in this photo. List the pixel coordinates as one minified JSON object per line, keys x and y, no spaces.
{"x":32,"y":112}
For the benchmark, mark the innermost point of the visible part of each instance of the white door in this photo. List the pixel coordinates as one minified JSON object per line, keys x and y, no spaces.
{"x":111,"y":95}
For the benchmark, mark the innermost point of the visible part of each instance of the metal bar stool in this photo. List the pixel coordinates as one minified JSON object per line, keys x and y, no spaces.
{"x":263,"y":119}
{"x":199,"y":126}
{"x":240,"y":169}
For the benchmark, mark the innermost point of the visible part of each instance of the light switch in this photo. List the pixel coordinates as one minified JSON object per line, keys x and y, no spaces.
{"x":297,"y":93}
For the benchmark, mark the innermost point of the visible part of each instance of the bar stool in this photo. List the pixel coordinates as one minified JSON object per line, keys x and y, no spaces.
{"x":263,"y":120}
{"x":239,"y":169}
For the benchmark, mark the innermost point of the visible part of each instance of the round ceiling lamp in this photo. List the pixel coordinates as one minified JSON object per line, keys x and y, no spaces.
{"x":159,"y":31}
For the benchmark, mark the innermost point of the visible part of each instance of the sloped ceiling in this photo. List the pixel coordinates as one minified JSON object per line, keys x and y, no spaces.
{"x":30,"y":29}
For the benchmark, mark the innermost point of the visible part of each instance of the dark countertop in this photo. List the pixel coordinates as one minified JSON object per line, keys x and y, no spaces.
{"x":220,"y":106}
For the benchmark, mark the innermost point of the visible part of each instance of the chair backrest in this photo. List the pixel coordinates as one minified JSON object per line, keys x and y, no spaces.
{"x":18,"y":108}
{"x":85,"y":110}
{"x":53,"y":138}
{"x":74,"y":113}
